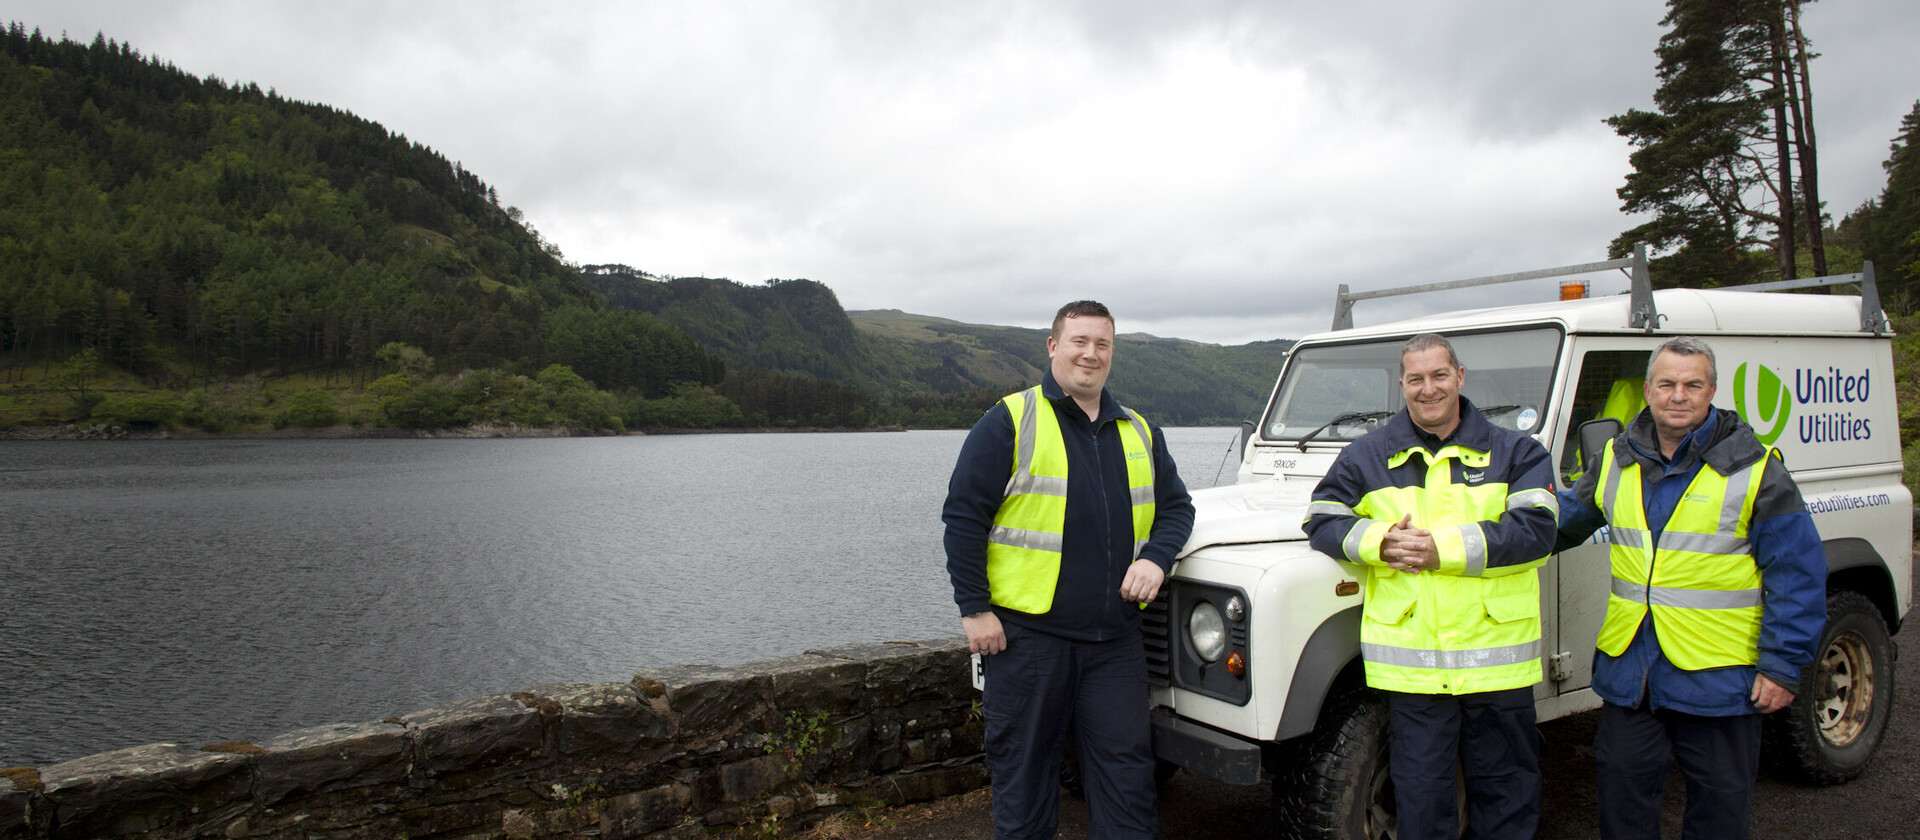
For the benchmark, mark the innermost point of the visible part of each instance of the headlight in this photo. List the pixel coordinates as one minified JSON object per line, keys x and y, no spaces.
{"x":1207,"y":631}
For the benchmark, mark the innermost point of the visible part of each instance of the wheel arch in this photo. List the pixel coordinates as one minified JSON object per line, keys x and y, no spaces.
{"x":1854,"y":565}
{"x":1329,"y":664}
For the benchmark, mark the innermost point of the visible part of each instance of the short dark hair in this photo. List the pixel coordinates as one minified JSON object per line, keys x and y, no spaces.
{"x":1079,"y":309}
{"x":1427,"y":341}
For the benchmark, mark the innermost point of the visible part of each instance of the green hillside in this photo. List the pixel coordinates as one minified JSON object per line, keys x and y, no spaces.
{"x":187,"y":252}
{"x":176,"y":233}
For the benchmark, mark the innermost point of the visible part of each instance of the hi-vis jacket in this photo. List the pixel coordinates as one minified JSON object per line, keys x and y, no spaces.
{"x":1487,"y":496}
{"x":1717,"y":568}
{"x":1049,"y":561}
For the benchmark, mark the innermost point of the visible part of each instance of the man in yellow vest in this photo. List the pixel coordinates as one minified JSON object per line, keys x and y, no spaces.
{"x":1449,"y":517}
{"x":1064,"y":515}
{"x":1718,"y":599}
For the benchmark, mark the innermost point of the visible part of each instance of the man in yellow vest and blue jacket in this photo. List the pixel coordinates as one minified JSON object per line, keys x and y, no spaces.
{"x":1449,"y":517}
{"x":1718,"y":599}
{"x":1063,"y":517}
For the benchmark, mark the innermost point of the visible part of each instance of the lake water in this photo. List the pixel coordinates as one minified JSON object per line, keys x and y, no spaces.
{"x":202,"y":591}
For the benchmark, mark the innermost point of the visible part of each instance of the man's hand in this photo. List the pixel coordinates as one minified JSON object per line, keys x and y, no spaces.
{"x":1769,"y":696}
{"x":984,"y":633}
{"x":1407,"y":548}
{"x":1142,"y":582}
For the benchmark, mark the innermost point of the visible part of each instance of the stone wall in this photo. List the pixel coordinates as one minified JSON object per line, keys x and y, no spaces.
{"x":675,"y":753}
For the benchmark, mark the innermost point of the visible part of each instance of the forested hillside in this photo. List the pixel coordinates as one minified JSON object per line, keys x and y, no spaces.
{"x":187,"y":229}
{"x":797,"y":328}
{"x":188,"y":252}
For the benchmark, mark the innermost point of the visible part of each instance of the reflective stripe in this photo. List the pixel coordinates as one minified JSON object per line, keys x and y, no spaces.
{"x":1474,"y":541}
{"x":1038,"y":485}
{"x":1696,"y":599}
{"x":1138,"y":546}
{"x":1671,"y":540}
{"x":1535,"y":498}
{"x":1451,"y":660}
{"x":1137,"y":495}
{"x":1021,"y":538}
{"x":1625,"y":537}
{"x":1736,"y":501}
{"x":1355,"y":536}
{"x":1612,"y":489}
{"x":1324,"y":508}
{"x":1025,"y":439}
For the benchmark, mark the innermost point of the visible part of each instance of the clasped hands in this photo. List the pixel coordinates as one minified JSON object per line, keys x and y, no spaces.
{"x":1409,"y":549}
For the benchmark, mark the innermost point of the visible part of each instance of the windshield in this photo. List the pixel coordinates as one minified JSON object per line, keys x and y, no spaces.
{"x":1342,"y":391}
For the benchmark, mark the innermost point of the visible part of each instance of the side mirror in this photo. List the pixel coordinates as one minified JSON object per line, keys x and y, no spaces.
{"x":1594,"y":435}
{"x":1246,"y":432}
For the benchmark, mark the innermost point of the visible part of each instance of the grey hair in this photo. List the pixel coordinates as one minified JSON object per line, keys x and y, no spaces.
{"x":1686,"y":345}
{"x":1424,"y":342}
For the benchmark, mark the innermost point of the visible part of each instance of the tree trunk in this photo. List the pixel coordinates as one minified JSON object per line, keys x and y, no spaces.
{"x":1801,"y":90}
{"x":1783,"y":148}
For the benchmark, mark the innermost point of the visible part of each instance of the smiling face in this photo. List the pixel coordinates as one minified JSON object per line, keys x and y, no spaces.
{"x":1082,"y":355}
{"x":1431,"y":385}
{"x":1679,"y":393}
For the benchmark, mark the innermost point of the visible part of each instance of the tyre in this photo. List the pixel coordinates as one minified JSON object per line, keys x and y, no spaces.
{"x":1332,"y":783}
{"x":1841,"y":708}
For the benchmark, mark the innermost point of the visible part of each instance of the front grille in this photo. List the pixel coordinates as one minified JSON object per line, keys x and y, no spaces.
{"x":1159,"y":638}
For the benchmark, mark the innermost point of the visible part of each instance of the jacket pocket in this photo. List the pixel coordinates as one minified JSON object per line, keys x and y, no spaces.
{"x":1507,"y":608}
{"x":1389,"y":610}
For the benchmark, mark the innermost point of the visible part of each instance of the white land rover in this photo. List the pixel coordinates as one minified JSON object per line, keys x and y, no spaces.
{"x":1254,"y":643}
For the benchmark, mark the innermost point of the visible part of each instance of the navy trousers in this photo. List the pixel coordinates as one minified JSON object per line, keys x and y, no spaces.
{"x":1038,"y":687}
{"x":1492,"y":738}
{"x":1718,"y":756}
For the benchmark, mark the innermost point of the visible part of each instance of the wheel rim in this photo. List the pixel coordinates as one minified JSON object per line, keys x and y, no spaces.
{"x":1845,"y":690}
{"x":1380,"y":823}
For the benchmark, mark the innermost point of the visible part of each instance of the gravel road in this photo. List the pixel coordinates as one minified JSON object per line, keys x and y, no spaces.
{"x":1881,"y":803}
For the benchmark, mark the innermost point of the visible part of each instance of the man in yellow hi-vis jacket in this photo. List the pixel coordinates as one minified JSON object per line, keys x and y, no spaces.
{"x":1718,"y":600}
{"x":1449,"y":517}
{"x":1064,"y":515}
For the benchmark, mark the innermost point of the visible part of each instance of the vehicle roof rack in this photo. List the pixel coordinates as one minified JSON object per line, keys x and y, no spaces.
{"x":1637,"y":264}
{"x":1641,"y":312}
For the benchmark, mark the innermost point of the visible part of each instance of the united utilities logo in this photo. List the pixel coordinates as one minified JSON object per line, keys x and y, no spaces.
{"x":1762,"y":400}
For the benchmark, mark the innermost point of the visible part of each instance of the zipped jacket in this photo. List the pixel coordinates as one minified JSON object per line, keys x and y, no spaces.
{"x":1486,"y":494}
{"x":1098,"y":530}
{"x":1782,"y":542}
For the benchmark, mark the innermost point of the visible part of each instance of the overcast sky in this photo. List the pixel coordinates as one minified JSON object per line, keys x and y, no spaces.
{"x":1210,"y":170}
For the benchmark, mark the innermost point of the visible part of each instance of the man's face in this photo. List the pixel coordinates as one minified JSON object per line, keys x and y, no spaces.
{"x":1082,"y":355}
{"x":1679,"y":393}
{"x":1431,"y":385}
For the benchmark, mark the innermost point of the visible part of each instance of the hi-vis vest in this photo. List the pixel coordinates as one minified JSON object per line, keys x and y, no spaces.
{"x":1023,"y":550}
{"x":1700,"y":582}
{"x":1464,"y":633}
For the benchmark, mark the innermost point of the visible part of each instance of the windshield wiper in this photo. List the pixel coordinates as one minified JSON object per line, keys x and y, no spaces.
{"x":1349,"y":417}
{"x":1497,"y":410}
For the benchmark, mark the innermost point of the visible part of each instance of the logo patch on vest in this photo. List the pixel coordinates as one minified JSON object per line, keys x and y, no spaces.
{"x":1474,"y":477}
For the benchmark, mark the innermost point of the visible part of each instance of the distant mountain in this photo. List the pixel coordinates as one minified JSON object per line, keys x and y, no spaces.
{"x":798,"y":327}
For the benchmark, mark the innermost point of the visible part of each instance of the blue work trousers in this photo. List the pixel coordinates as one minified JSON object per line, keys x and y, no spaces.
{"x":1037,"y":688}
{"x":1719,"y":757}
{"x":1490,"y":737}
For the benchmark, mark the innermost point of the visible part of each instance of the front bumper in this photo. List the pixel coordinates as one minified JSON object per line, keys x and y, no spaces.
{"x":1205,"y":750}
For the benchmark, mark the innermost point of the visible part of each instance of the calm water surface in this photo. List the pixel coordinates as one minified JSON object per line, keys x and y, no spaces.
{"x":201,"y":591}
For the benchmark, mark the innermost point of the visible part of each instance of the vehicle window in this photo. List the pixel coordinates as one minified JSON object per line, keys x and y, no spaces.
{"x":1608,"y":385}
{"x":1342,"y":391}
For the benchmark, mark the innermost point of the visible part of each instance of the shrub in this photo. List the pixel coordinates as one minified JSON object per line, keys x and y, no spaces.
{"x":307,"y":410}
{"x":154,"y":409}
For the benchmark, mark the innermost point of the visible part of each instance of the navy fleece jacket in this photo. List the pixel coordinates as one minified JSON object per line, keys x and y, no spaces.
{"x":1098,"y":544}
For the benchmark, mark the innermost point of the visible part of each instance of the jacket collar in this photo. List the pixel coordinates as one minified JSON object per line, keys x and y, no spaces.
{"x":1724,"y":442}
